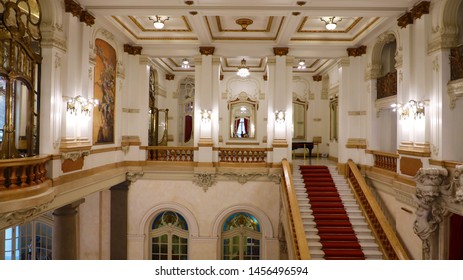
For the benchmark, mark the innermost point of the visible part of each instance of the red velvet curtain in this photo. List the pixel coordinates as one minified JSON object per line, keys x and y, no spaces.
{"x":456,"y":238}
{"x":188,"y":128}
{"x":235,"y":129}
{"x":246,"y":125}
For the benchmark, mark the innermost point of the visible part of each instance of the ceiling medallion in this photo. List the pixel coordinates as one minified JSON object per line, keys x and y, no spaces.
{"x":244,"y":22}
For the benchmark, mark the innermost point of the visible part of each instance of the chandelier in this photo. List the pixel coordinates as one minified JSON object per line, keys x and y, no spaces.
{"x":301,"y":65}
{"x":185,"y":63}
{"x":412,"y":109}
{"x":243,"y":70}
{"x":80,"y":103}
{"x":158,"y":21}
{"x":330,"y":24}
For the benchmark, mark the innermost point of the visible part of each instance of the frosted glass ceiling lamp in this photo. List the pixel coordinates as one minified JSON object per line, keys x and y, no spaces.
{"x":331,"y":23}
{"x":185,"y":64}
{"x":301,"y":65}
{"x":243,"y":70}
{"x":158,"y":21}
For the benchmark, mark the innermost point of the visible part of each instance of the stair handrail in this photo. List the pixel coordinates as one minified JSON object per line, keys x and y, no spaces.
{"x":294,"y":216}
{"x":388,"y":241}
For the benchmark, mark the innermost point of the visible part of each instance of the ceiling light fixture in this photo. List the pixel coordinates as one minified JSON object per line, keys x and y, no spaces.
{"x":301,"y":64}
{"x":185,"y":63}
{"x":243,"y":70}
{"x":330,"y":24}
{"x":158,"y":21}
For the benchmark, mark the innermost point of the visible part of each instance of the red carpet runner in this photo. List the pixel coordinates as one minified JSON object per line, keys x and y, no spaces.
{"x":334,"y":228}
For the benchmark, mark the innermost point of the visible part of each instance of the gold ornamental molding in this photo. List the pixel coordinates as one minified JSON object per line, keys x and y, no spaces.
{"x":417,"y":149}
{"x":357,"y":51}
{"x":420,"y":9}
{"x":170,"y":77}
{"x":280,"y":143}
{"x":280,"y":51}
{"x":317,"y":78}
{"x":416,"y":12}
{"x":76,"y":10}
{"x":205,"y":142}
{"x":206,"y":50}
{"x":244,"y":23}
{"x":356,"y":143}
{"x":133,"y":50}
{"x":405,"y":20}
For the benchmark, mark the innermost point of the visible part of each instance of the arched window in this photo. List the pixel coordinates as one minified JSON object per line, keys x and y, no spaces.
{"x":169,"y":237}
{"x":30,"y":241}
{"x":241,"y":237}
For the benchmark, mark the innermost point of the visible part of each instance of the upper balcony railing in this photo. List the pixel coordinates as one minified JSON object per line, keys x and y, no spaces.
{"x":384,"y":160}
{"x":23,"y":172}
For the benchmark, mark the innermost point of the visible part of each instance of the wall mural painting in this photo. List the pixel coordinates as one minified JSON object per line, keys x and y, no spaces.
{"x":105,"y":92}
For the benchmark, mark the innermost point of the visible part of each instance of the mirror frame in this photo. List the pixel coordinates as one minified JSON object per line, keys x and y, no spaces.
{"x":305,"y":105}
{"x":243,"y":98}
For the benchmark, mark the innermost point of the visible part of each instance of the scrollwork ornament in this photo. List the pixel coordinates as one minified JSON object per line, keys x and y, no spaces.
{"x":21,"y":216}
{"x":430,"y":211}
{"x":204,"y":180}
{"x":133,"y":176}
{"x":457,"y":183}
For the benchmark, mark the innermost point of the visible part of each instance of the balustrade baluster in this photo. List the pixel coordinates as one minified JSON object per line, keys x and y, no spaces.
{"x":23,"y":176}
{"x":2,"y":179}
{"x":13,"y":178}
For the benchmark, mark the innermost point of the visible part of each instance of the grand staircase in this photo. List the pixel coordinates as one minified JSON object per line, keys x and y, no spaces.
{"x":334,"y":225}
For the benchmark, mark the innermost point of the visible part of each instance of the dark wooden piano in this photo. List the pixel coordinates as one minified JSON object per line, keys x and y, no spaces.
{"x":303,"y":145}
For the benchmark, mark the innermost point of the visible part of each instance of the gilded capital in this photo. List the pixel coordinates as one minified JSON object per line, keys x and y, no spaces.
{"x":206,"y":50}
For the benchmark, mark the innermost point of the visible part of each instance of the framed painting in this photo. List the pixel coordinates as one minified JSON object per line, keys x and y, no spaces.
{"x":105,"y":92}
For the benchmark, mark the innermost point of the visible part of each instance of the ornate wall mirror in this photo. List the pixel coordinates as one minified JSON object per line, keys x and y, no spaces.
{"x":159,"y":127}
{"x":243,"y":112}
{"x":299,"y":119}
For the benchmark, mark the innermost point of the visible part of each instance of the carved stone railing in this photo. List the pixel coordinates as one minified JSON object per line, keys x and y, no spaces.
{"x":23,"y":172}
{"x":387,"y":86}
{"x":297,"y":233}
{"x":387,"y":240}
{"x":243,"y":155}
{"x":177,"y":154}
{"x":384,"y":160}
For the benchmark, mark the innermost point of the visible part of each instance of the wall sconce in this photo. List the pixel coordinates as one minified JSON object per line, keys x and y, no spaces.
{"x":330,"y":24}
{"x":410,"y":109}
{"x":158,"y":21}
{"x":206,"y":115}
{"x":280,"y":116}
{"x":80,"y":103}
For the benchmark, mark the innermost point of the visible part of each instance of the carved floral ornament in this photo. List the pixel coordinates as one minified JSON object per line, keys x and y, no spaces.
{"x":205,"y":180}
{"x":430,"y":184}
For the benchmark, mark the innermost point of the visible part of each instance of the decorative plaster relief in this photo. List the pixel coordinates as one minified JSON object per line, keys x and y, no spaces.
{"x":457,"y":183}
{"x":20,"y":216}
{"x":236,"y":85}
{"x":242,"y":176}
{"x":455,"y":91}
{"x":133,"y":176}
{"x":205,"y":180}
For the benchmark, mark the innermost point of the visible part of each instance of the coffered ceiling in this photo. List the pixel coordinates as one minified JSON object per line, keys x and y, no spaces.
{"x":247,"y":29}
